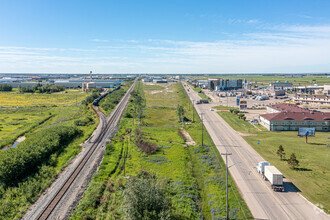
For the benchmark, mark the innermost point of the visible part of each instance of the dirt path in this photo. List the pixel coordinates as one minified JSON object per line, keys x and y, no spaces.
{"x":187,"y":138}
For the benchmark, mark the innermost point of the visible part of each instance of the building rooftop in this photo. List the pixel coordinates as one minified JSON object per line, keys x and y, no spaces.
{"x":297,"y":116}
{"x":312,"y":96}
{"x":287,"y":107}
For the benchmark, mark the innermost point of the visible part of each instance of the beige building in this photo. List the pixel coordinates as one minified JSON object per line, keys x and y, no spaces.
{"x":312,"y":99}
{"x":327,"y":89}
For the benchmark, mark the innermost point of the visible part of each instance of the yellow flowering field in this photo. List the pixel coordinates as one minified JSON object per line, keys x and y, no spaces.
{"x":14,"y":98}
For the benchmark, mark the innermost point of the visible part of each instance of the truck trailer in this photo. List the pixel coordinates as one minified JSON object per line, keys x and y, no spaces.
{"x":275,"y":177}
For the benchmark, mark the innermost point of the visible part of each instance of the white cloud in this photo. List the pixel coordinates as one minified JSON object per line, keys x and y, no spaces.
{"x":99,"y":40}
{"x":253,"y":21}
{"x":276,"y":49}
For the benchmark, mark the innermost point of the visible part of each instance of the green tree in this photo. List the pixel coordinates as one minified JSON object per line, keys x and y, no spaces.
{"x":280,"y":152}
{"x":235,"y":111}
{"x":180,"y":113}
{"x":293,"y":162}
{"x":240,"y":115}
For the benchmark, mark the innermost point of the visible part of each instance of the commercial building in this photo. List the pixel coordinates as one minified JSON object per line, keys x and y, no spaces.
{"x":308,"y":89}
{"x":202,"y":83}
{"x":280,"y":85}
{"x":229,"y":84}
{"x":213,"y":83}
{"x":312,"y":99}
{"x":327,"y":89}
{"x":292,"y":121}
{"x":145,"y":80}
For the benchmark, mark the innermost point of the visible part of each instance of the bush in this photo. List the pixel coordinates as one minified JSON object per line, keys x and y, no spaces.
{"x":83,"y":122}
{"x":6,"y":87}
{"x":144,"y":199}
{"x":144,"y":145}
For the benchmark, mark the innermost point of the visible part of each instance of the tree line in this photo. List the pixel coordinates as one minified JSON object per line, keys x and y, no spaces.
{"x":6,"y":87}
{"x":39,"y":88}
{"x":89,"y":99}
{"x":17,"y":163}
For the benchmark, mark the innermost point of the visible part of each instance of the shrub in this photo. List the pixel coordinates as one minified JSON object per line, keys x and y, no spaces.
{"x":16,"y":163}
{"x":144,"y":199}
{"x":83,"y":122}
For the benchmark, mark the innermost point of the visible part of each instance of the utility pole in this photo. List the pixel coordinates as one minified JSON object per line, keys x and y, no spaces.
{"x":202,"y":127}
{"x":227,"y":205}
{"x":193,"y":110}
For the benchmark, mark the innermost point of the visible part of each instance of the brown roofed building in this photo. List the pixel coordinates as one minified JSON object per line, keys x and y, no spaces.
{"x":292,"y":121}
{"x":283,"y":107}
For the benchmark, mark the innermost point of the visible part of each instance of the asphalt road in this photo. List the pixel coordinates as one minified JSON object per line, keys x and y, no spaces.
{"x":263,"y":202}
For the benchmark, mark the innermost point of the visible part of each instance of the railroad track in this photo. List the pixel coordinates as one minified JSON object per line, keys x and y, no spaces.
{"x":106,"y":126}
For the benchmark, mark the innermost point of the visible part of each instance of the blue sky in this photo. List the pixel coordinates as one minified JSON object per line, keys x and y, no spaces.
{"x":246,"y":36}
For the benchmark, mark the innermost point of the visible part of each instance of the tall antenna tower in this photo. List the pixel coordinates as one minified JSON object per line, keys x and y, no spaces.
{"x":90,"y":75}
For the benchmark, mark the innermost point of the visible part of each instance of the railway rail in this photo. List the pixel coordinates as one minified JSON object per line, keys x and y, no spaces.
{"x":106,"y":126}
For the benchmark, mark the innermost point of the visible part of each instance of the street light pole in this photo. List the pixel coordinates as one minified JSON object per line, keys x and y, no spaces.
{"x":227,"y":205}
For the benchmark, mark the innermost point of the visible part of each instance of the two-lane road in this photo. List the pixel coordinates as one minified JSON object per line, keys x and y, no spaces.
{"x":257,"y":193}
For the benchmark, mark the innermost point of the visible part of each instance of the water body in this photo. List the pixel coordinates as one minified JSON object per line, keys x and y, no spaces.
{"x":18,"y":140}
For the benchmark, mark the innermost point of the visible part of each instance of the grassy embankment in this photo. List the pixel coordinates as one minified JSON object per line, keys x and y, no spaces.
{"x":194,"y":174}
{"x":312,"y":177}
{"x":17,"y":197}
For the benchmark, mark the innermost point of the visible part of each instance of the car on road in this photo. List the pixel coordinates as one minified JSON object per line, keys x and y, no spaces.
{"x":211,"y":109}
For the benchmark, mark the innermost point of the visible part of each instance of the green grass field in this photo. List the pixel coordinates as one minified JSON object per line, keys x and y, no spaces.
{"x":312,"y":177}
{"x":16,"y":122}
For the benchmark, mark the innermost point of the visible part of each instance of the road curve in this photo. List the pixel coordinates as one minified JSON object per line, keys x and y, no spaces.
{"x":261,"y":200}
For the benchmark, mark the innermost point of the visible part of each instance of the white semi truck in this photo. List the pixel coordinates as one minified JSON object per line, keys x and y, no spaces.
{"x":261,"y":167}
{"x":275,"y":177}
{"x":272,"y":174}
